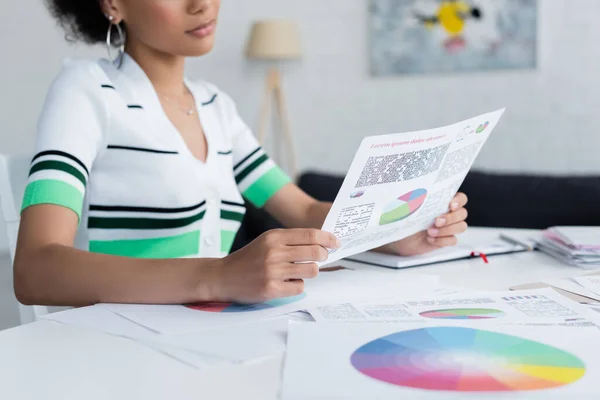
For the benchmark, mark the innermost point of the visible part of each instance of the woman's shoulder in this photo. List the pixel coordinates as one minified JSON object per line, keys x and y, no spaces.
{"x":75,"y":96}
{"x":79,"y":74}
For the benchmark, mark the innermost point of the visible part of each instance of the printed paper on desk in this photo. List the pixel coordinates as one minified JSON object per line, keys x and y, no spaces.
{"x":464,"y":361}
{"x":223,"y":345}
{"x":101,"y":320}
{"x":398,"y":184}
{"x":535,"y":307}
{"x":590,"y":282}
{"x":328,"y":288}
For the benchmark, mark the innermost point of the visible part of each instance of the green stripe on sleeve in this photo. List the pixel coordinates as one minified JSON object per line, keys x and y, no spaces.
{"x":185,"y":245}
{"x":266,"y":186}
{"x":227,"y":238}
{"x":58,"y":166}
{"x":52,"y":191}
{"x":248,"y":170}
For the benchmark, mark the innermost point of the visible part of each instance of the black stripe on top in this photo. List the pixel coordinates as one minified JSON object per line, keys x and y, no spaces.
{"x":135,"y":106}
{"x":58,"y":166}
{"x":250,"y":168}
{"x":62,"y":154}
{"x":116,"y":147}
{"x":232,"y":203}
{"x":212,"y":100}
{"x":143,"y":223}
{"x":246,"y":158}
{"x":146,"y":209}
{"x":109,"y":87}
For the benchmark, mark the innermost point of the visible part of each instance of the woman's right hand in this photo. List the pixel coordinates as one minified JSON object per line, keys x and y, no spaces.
{"x":272,"y":266}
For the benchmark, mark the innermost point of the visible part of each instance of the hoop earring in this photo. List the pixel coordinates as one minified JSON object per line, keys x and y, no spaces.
{"x":121,"y":42}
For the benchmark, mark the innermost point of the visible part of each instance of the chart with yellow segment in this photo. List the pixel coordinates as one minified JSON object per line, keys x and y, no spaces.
{"x":459,"y":359}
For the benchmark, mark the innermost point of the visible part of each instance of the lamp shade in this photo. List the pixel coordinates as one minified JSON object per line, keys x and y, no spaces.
{"x":274,"y":40}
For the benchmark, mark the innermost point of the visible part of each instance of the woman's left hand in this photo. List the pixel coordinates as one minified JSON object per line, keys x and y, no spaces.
{"x":442,"y":234}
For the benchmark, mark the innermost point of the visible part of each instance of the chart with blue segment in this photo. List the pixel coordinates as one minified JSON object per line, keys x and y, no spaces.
{"x":237,"y":308}
{"x":403,"y":207}
{"x":463,"y":313}
{"x":466,"y":360}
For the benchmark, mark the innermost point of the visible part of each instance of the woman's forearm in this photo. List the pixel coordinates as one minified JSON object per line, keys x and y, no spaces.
{"x":317,"y":214}
{"x":295,"y":209}
{"x":58,"y":275}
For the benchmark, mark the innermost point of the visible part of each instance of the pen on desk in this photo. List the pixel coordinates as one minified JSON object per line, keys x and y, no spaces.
{"x":479,"y":254}
{"x":516,"y":242}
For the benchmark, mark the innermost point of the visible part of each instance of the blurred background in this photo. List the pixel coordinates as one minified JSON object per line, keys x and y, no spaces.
{"x":375,"y":67}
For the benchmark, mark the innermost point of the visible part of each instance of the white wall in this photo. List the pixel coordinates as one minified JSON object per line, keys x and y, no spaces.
{"x":552,"y":124}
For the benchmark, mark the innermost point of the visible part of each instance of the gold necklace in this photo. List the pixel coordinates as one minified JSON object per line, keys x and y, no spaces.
{"x":186,"y":111}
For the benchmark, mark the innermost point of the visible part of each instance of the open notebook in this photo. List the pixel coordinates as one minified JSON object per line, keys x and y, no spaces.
{"x":465,"y":249}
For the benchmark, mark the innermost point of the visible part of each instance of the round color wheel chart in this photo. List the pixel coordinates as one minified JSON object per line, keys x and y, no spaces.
{"x":403,"y":207}
{"x":460,"y":359}
{"x":463,"y":313}
{"x":233,"y":307}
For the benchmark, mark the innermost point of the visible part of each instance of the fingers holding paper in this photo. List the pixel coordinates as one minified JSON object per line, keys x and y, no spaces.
{"x":447,"y":226}
{"x":442,"y":234}
{"x":272,"y":266}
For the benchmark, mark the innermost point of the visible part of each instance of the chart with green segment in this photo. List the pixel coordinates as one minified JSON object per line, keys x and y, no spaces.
{"x":237,"y":308}
{"x":463,"y":313}
{"x":403,"y":207}
{"x":457,"y":359}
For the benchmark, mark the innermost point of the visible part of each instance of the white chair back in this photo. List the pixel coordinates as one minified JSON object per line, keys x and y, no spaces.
{"x":13,"y":180}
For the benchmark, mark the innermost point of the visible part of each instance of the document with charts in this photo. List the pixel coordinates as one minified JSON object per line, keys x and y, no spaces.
{"x":398,"y":184}
{"x":438,"y":360}
{"x":532,"y":307}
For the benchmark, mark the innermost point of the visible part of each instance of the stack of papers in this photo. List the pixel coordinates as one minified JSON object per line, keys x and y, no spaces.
{"x":578,"y":246}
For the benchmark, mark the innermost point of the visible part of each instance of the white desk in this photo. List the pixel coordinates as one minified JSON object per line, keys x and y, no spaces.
{"x":46,"y":360}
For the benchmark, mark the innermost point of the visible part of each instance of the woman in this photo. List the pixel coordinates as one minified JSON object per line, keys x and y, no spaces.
{"x":147,"y":171}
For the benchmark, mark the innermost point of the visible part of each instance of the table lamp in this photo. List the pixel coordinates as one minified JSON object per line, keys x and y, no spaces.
{"x":275,"y":40}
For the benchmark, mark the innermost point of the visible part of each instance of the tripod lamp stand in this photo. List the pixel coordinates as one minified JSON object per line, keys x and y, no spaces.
{"x":275,"y":41}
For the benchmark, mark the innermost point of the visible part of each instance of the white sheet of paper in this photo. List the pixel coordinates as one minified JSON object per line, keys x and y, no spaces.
{"x":595,"y":307}
{"x":429,"y":362}
{"x":98,"y":319}
{"x":541,"y":306}
{"x":328,"y":288}
{"x":570,"y":285}
{"x":398,"y":184}
{"x":220,"y":346}
{"x":590,"y":282}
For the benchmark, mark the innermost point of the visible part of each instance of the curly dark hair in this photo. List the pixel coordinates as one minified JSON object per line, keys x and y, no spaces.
{"x":82,"y":19}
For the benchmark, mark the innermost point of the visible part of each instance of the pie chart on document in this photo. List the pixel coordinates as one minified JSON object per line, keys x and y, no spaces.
{"x":403,"y":206}
{"x":236,"y":308}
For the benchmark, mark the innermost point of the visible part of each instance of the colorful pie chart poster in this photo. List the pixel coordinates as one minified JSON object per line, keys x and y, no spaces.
{"x":460,"y":359}
{"x":403,"y":207}
{"x":463,"y":313}
{"x":396,"y":361}
{"x":242,"y":308}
